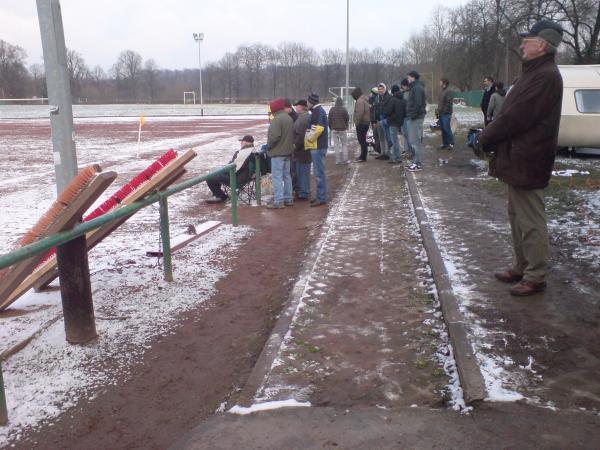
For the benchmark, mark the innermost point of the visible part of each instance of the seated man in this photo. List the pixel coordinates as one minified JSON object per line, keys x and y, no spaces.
{"x":215,"y":184}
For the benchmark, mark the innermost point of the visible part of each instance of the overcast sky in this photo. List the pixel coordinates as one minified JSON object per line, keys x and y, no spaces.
{"x":162,"y":29}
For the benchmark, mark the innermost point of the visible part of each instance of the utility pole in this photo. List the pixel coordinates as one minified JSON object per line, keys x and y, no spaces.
{"x":347,"y":46}
{"x":73,"y":270}
{"x":199,"y":37}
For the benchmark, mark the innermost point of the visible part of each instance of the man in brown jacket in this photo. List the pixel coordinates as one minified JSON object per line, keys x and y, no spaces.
{"x":523,"y":139}
{"x":362,"y":120}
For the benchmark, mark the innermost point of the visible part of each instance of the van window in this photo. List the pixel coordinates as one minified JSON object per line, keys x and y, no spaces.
{"x":588,"y":101}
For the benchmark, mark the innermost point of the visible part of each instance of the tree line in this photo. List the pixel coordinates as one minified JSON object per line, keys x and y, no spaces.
{"x":464,"y":44}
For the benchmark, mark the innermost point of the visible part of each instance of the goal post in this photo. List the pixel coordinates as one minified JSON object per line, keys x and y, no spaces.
{"x":189,"y":95}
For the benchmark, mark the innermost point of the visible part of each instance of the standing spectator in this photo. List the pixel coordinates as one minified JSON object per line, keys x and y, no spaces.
{"x":362,"y":118}
{"x":444,"y":113}
{"x":408,"y":150}
{"x":318,"y":118}
{"x":416,"y":108}
{"x":280,"y":146}
{"x":524,"y":138}
{"x":289,"y":109}
{"x":383,"y":131}
{"x":338,"y":123}
{"x":496,"y":102}
{"x":488,"y":90}
{"x":301,"y":157}
{"x":373,"y":118}
{"x":395,"y":113}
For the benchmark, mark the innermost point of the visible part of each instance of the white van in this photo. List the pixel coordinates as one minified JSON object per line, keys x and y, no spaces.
{"x":580,"y":117}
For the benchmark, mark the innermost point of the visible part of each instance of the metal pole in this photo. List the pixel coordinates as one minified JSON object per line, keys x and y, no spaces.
{"x":200,"y":67}
{"x":347,"y":46}
{"x":3,"y":409}
{"x":257,"y":176}
{"x":166,"y":238}
{"x":59,"y":91}
{"x":75,"y":287}
{"x":233,"y":187}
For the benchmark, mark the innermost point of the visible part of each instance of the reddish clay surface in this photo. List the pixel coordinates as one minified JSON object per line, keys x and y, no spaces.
{"x":185,"y":376}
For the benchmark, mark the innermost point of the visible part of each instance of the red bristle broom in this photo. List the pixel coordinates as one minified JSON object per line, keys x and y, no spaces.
{"x":75,"y":186}
{"x":123,"y":192}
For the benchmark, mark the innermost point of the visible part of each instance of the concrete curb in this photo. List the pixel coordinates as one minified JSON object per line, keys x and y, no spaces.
{"x":468,"y":370}
{"x":263,"y":365}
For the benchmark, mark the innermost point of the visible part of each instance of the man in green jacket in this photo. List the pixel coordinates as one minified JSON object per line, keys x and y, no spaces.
{"x":280,"y":146}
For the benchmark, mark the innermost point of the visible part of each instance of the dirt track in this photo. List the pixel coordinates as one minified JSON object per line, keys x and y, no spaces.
{"x":186,"y":375}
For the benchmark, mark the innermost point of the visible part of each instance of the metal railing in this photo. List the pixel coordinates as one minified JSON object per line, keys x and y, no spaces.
{"x":80,"y":229}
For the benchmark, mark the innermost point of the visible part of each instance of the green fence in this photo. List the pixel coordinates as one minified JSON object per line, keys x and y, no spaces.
{"x":472,"y":98}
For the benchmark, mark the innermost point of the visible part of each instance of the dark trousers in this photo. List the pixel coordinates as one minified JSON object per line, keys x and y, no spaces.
{"x":215,"y":184}
{"x":361,"y":136}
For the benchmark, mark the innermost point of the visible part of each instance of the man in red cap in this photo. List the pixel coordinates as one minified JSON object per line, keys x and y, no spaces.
{"x":280,"y":146}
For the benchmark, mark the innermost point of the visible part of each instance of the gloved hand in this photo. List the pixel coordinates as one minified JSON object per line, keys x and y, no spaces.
{"x":263,"y":148}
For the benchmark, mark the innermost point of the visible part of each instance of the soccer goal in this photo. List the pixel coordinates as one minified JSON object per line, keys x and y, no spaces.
{"x":189,"y":95}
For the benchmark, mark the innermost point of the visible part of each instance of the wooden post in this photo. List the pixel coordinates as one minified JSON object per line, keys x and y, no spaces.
{"x":76,"y":291}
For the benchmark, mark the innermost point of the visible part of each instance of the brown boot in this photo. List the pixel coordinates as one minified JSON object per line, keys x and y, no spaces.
{"x":526,"y":287}
{"x":508,"y":276}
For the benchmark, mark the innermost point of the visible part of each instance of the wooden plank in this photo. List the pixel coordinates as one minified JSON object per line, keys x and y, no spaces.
{"x":66,"y":220}
{"x":161,"y":180}
{"x":181,"y":241}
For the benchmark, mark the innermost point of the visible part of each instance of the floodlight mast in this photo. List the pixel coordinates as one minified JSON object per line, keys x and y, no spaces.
{"x":199,"y":37}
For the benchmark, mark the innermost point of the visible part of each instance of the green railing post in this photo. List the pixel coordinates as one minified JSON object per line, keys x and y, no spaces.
{"x":234,"y":199}
{"x":257,"y":176}
{"x":166,"y":238}
{"x":3,"y":410}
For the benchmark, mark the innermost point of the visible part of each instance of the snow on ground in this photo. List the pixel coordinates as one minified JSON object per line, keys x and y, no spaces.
{"x":133,"y":304}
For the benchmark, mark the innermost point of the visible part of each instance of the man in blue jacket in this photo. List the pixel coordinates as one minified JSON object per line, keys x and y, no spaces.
{"x":318,"y":116}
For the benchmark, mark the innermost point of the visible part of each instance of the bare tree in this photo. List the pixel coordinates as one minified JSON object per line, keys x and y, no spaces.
{"x":150,"y":79}
{"x":127,"y":72}
{"x":13,"y":74}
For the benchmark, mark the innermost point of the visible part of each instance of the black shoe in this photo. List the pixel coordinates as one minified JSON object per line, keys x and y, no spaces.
{"x":215,"y":200}
{"x":317,"y":203}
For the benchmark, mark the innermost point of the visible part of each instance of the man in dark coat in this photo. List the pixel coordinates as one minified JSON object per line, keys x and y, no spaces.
{"x":416,"y":107}
{"x":488,"y":89}
{"x":395,"y":113}
{"x":301,"y":157}
{"x":523,"y":139}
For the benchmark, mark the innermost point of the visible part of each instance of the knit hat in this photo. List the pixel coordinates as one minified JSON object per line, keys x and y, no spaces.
{"x":313,"y":98}
{"x":339,"y":101}
{"x":395,"y":88}
{"x":414,"y":74}
{"x":277,"y":105}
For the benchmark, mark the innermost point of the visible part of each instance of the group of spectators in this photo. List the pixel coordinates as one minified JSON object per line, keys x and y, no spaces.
{"x":396,"y":118}
{"x":492,"y":99}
